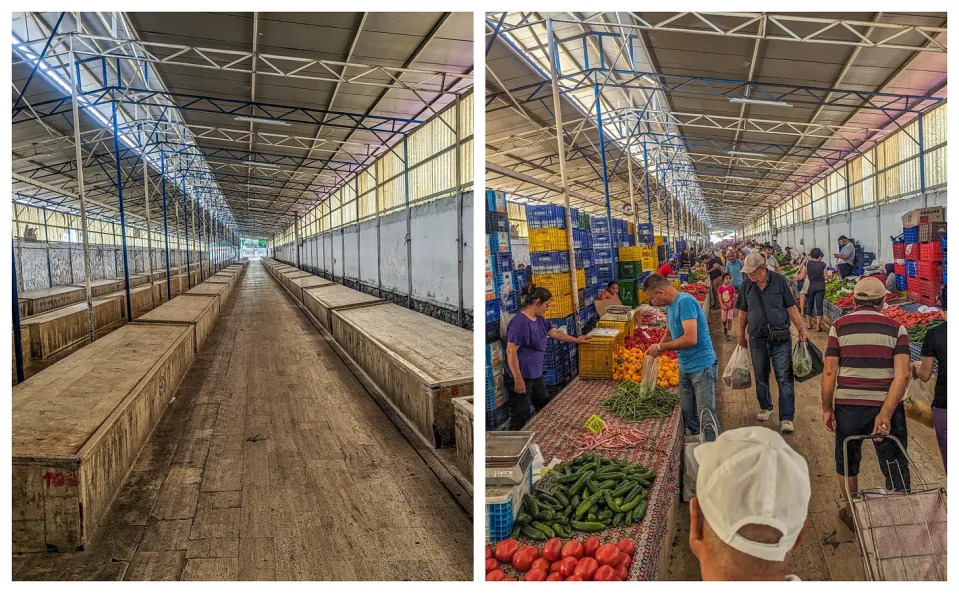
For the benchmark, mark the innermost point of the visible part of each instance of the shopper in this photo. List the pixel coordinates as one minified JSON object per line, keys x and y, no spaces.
{"x":815,"y":274}
{"x":776,"y":247}
{"x":688,"y":334}
{"x":865,"y":376}
{"x":891,"y":278}
{"x":734,"y":265}
{"x":611,"y":292}
{"x":526,"y":337}
{"x":769,"y":306}
{"x":727,"y":303}
{"x":771,"y":262}
{"x":751,"y":506}
{"x":846,"y":257}
{"x":934,"y":350}
{"x":685,"y":258}
{"x":715,"y":268}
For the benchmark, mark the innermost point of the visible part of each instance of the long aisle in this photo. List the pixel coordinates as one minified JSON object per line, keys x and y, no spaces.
{"x":830,"y":550}
{"x":272,"y":462}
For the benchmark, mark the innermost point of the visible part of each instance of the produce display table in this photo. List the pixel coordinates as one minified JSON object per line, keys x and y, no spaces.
{"x":560,"y":425}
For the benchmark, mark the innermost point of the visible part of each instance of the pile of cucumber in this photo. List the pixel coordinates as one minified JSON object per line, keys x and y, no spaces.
{"x":589,"y":494}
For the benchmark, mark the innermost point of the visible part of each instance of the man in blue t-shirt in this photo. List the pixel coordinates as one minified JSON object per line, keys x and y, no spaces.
{"x":687,"y":334}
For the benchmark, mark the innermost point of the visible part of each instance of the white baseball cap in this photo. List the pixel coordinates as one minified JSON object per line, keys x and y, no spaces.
{"x":751,"y":476}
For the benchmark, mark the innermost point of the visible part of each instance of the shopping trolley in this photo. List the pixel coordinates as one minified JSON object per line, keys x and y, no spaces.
{"x":902,"y":535}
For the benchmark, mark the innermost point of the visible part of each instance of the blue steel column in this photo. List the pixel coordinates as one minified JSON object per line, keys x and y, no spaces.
{"x":17,"y":345}
{"x":602,"y":159}
{"x":666,"y":208}
{"x":922,"y":159}
{"x":123,"y":223}
{"x":186,"y":234}
{"x":166,"y":230}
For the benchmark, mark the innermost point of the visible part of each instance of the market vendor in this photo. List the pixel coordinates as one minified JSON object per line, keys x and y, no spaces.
{"x":769,"y":305}
{"x":846,"y":256}
{"x":686,"y":258}
{"x":611,"y":292}
{"x":934,"y":350}
{"x":776,"y":247}
{"x":688,"y":334}
{"x":865,"y":376}
{"x":526,"y":337}
{"x":667,"y":268}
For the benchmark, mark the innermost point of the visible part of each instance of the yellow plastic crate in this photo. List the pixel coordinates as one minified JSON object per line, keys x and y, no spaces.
{"x":630,"y":253}
{"x":548,"y":239}
{"x":624,"y":326}
{"x":581,"y":278}
{"x":557,"y":284}
{"x":559,"y":306}
{"x":596,"y":356}
{"x":658,"y":240}
{"x":675,"y":284}
{"x":643,"y":299}
{"x":650,"y":263}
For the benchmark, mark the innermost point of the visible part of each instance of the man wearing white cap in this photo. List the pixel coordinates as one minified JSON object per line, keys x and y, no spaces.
{"x":750,"y":508}
{"x":865,"y":376}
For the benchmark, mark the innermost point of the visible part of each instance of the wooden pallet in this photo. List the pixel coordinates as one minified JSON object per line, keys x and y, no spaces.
{"x":420,"y":363}
{"x":79,"y":425}
{"x":198,"y":311}
{"x":321,"y":301}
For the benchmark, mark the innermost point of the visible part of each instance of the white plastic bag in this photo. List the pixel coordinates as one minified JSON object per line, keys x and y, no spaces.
{"x":918,"y":402}
{"x":690,"y":465}
{"x":737,"y":375}
{"x":650,"y":374}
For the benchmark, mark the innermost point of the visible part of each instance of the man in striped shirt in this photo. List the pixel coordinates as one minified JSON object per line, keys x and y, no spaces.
{"x":865,"y":377}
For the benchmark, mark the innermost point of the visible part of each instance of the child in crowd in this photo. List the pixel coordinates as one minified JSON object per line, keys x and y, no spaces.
{"x":727,"y":303}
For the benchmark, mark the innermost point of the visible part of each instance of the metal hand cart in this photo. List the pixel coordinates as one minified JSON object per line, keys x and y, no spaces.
{"x":902,"y":535}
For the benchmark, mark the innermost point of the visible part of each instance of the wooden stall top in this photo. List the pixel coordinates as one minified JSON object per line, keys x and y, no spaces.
{"x":64,"y":311}
{"x":101,"y":282}
{"x":296,"y":274}
{"x":311,"y":282}
{"x":441,"y":351}
{"x":60,"y":408}
{"x":336,"y":295}
{"x":207,"y":289}
{"x":48,"y":292}
{"x":178,"y":309}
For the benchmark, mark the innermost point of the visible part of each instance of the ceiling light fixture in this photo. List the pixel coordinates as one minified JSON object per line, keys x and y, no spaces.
{"x":741,"y":153}
{"x":262,"y":120}
{"x":259,"y":164}
{"x":759,"y":102}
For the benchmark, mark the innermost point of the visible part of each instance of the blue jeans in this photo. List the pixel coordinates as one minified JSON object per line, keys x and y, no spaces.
{"x":780,"y":357}
{"x":697,"y":391}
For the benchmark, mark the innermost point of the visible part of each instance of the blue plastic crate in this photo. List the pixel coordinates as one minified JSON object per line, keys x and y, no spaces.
{"x":495,"y":201}
{"x":868,"y":257}
{"x":502,"y":262}
{"x":911,"y":268}
{"x":496,"y":418}
{"x":910,"y":234}
{"x":492,"y":311}
{"x":599,"y":224}
{"x":900,"y":282}
{"x":508,"y":303}
{"x":497,"y":222}
{"x":499,"y":243}
{"x":549,"y":262}
{"x":942,"y":242}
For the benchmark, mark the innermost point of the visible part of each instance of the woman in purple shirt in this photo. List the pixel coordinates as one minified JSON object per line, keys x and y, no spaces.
{"x":526,"y":337}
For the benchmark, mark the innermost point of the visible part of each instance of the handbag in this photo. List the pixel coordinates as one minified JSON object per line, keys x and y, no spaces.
{"x":775,"y":334}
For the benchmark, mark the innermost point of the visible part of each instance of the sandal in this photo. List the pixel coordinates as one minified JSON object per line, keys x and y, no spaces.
{"x":846,"y":517}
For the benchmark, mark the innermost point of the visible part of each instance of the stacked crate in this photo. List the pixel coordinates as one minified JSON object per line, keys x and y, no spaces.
{"x":930,"y":268}
{"x":549,"y":255}
{"x":633,"y":268}
{"x":497,"y":411}
{"x":500,"y":298}
{"x":561,"y":359}
{"x":602,"y":250}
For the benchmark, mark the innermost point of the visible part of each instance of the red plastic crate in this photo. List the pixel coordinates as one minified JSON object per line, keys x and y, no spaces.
{"x":930,"y":288}
{"x":928,"y":301}
{"x":898,"y":251}
{"x":912,"y":284}
{"x":912,"y":251}
{"x":929,"y":270}
{"x":913,"y":296}
{"x":930,"y":252}
{"x":899,"y":269}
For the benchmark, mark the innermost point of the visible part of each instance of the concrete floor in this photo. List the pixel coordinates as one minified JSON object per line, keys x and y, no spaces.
{"x":272,"y":463}
{"x":830,"y":551}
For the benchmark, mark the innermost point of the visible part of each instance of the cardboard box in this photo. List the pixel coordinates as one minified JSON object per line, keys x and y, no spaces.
{"x":922,"y":215}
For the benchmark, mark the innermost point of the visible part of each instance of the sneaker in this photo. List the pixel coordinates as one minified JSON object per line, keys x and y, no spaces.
{"x":786,"y":426}
{"x":764,"y":415}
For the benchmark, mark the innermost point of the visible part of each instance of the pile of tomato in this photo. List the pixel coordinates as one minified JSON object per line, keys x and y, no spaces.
{"x":572,"y":560}
{"x":697,"y":290}
{"x":908,"y":319}
{"x":643,"y":338}
{"x":848,"y":302}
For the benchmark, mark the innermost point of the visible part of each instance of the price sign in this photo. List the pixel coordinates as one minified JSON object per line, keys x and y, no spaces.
{"x":595,"y":424}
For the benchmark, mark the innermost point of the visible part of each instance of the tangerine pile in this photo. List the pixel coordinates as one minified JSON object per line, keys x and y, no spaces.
{"x":628,"y":366}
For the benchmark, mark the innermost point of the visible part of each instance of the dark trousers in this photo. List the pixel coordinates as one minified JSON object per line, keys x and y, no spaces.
{"x":815,"y":299}
{"x":778,"y":358}
{"x":845,"y":270}
{"x":853,"y":420}
{"x":522,"y":406}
